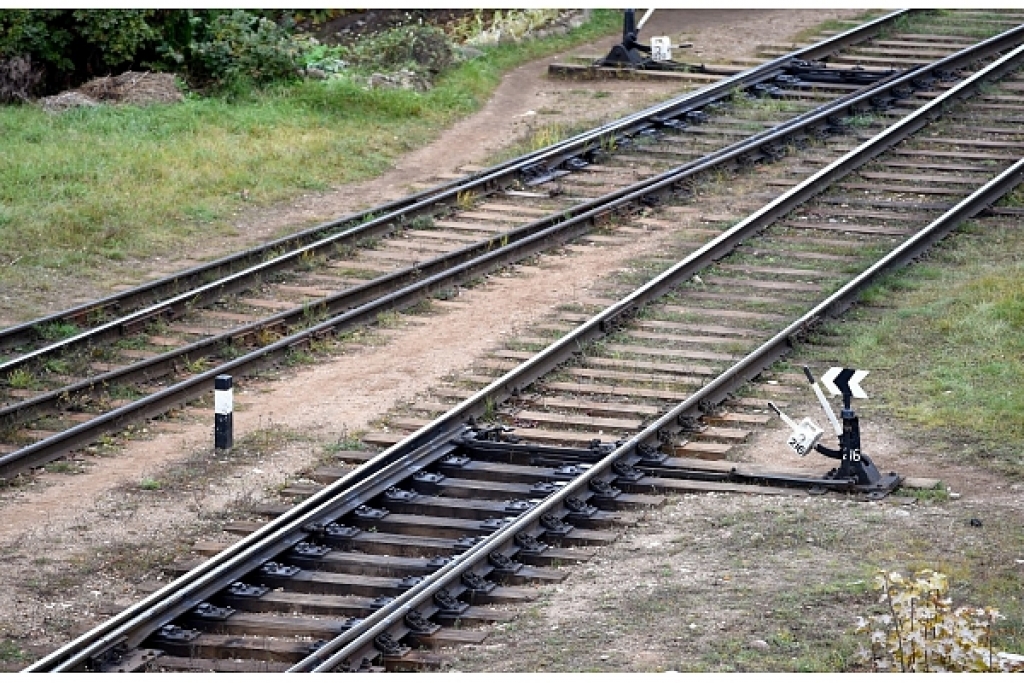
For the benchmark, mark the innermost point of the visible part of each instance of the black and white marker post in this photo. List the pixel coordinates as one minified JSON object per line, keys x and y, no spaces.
{"x":223,"y":407}
{"x":856,"y":471}
{"x":855,"y":464}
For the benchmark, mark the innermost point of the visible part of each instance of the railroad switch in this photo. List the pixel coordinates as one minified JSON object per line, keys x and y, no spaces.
{"x":631,"y":54}
{"x":856,"y":472}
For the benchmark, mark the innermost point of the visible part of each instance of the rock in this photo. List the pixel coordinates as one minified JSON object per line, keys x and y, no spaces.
{"x":316,"y":74}
{"x":758,"y":644}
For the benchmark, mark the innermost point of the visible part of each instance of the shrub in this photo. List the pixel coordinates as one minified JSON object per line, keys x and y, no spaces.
{"x":422,"y":49}
{"x":243,"y":46}
{"x":74,"y":45}
{"x":921,"y":631}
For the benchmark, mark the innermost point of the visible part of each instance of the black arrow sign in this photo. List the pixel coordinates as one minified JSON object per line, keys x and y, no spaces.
{"x":842,"y":381}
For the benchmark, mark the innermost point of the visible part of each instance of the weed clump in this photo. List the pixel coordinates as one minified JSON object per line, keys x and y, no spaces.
{"x":922,"y":632}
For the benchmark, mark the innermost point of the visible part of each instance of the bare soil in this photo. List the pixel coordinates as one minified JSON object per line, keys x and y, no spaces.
{"x":719,"y":582}
{"x":738,"y":569}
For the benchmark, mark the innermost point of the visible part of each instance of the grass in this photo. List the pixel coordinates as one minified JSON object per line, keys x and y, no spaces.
{"x":94,"y":186}
{"x":950,"y":357}
{"x":150,"y":484}
{"x":63,"y":467}
{"x":11,"y":653}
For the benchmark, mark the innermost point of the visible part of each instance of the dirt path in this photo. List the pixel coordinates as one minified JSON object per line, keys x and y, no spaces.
{"x":67,"y":518}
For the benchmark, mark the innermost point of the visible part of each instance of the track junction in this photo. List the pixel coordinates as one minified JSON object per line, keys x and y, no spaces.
{"x":454,"y":517}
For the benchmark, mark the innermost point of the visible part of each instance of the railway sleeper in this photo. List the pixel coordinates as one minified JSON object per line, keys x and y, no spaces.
{"x":366,"y":564}
{"x":411,"y":503}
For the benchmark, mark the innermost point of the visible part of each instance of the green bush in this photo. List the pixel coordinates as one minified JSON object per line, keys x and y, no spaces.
{"x":74,"y":45}
{"x":115,"y":36}
{"x":243,"y":46}
{"x":211,"y":46}
{"x":422,"y":49}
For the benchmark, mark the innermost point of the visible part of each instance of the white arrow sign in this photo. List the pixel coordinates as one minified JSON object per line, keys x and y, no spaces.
{"x":836,"y":378}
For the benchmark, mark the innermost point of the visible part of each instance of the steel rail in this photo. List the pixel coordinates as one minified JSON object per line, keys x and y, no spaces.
{"x":347,"y":644}
{"x":374,"y":288}
{"x":267,"y":541}
{"x":236,"y":280}
{"x":365,"y":301}
{"x":377,"y":221}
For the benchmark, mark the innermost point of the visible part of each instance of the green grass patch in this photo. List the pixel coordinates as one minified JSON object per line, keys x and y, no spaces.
{"x":11,"y":653}
{"x":95,"y":185}
{"x":947,"y":345}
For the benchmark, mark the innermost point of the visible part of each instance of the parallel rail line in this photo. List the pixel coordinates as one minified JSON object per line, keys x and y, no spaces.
{"x":36,"y":419}
{"x":434,"y":506}
{"x":380,"y":220}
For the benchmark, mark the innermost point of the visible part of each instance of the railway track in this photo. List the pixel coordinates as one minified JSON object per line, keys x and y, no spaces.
{"x":154,"y":348}
{"x":456,"y":518}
